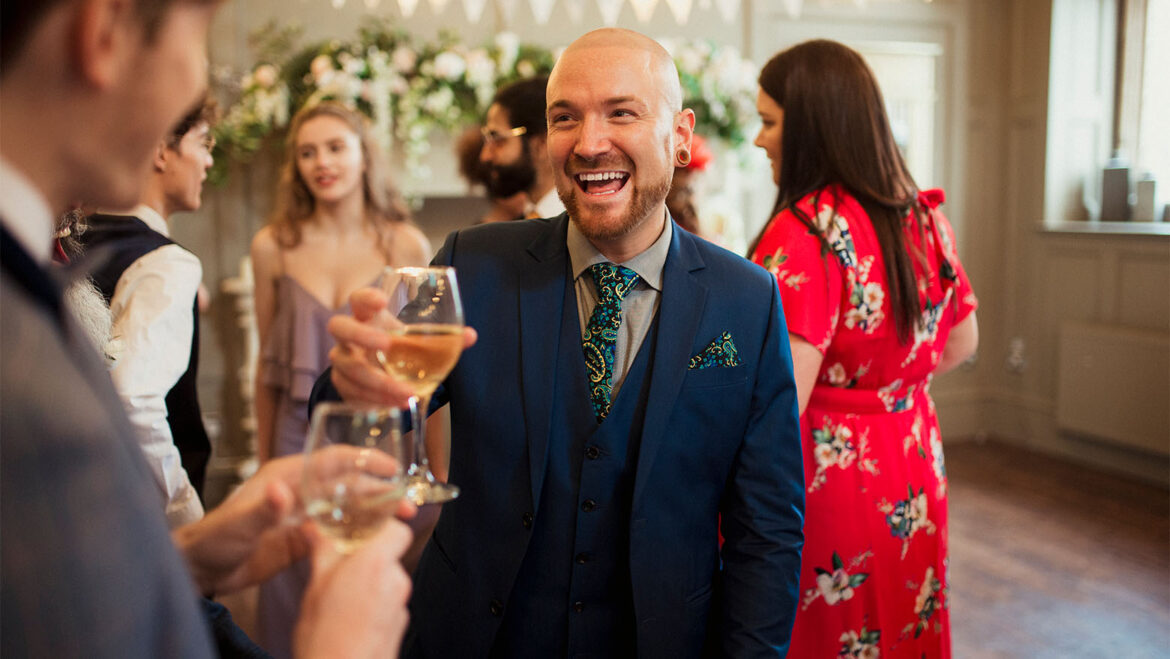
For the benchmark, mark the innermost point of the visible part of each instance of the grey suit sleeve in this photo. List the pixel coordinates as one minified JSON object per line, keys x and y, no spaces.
{"x":763,"y":512}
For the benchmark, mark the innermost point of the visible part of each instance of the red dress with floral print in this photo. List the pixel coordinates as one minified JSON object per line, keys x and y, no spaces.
{"x":874,"y":575}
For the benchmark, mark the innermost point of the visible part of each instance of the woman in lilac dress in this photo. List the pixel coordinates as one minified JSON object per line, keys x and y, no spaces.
{"x":338,"y":222}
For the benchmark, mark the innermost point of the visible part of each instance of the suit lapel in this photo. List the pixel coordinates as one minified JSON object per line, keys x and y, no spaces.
{"x":541,"y":298}
{"x":683,"y":303}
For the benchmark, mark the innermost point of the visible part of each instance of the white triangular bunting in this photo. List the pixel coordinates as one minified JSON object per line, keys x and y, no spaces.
{"x":681,"y":10}
{"x":644,"y":9}
{"x":576,"y":10}
{"x":407,"y":7}
{"x":542,"y":10}
{"x":508,"y":10}
{"x":704,"y":4}
{"x":437,"y":6}
{"x":610,"y":10}
{"x":373,"y":4}
{"x":793,"y":8}
{"x":338,"y":4}
{"x":474,"y":9}
{"x":728,"y":9}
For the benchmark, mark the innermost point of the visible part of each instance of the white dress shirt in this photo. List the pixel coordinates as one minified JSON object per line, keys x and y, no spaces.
{"x":549,"y":205}
{"x":153,"y":321}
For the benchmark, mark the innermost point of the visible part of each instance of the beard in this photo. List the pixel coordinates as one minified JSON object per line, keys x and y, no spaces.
{"x":503,"y":181}
{"x":643,"y":201}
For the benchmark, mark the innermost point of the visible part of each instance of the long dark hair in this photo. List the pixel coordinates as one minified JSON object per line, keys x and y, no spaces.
{"x":836,"y":131}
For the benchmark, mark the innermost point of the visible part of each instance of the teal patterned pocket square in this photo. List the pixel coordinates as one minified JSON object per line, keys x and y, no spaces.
{"x":720,"y":352}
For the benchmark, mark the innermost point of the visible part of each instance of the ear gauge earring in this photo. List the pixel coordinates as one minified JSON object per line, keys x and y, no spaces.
{"x":683,"y":157}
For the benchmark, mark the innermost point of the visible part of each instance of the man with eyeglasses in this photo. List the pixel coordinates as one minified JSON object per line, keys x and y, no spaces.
{"x":514,"y":147}
{"x":151,"y":285}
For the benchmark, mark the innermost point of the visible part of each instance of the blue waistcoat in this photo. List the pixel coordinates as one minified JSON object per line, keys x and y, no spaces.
{"x":573,"y":595}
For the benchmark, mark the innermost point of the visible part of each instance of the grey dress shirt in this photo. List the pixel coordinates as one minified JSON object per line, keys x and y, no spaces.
{"x":639,"y":306}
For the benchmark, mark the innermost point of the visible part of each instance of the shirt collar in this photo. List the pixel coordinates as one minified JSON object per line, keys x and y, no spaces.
{"x":648,"y":264}
{"x":25,"y":213}
{"x":149,"y":217}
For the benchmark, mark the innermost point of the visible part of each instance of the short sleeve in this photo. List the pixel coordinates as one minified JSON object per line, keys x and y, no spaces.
{"x":810,"y":284}
{"x":965,"y":300}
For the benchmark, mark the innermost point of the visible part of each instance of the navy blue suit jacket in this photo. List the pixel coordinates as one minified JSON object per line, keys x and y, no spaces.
{"x":720,"y":441}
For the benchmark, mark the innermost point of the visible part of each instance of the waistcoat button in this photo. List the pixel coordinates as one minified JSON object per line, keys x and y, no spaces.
{"x":578,"y":606}
{"x":592,"y":452}
{"x":526,"y":520}
{"x":496,"y":607}
{"x":589,"y":505}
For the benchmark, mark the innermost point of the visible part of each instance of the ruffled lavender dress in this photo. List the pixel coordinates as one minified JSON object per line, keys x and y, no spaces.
{"x":296,"y":354}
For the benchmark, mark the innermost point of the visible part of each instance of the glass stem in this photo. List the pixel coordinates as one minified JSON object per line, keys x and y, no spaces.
{"x":418,"y":411}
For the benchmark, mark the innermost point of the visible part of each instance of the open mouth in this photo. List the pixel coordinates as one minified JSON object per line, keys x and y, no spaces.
{"x":602,"y":183}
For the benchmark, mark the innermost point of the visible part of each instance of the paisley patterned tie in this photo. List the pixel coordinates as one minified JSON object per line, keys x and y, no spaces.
{"x":613,"y":283}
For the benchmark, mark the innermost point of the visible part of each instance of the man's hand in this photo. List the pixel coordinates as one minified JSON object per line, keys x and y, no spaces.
{"x":355,"y":605}
{"x":356,"y":373}
{"x":253,"y":534}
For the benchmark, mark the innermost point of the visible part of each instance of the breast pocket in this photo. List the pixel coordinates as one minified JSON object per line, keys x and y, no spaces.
{"x":715,"y":376}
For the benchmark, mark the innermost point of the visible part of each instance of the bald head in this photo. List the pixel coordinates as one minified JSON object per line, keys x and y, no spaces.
{"x":634,"y":50}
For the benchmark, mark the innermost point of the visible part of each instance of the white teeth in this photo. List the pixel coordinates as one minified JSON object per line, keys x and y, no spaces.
{"x":601,"y":176}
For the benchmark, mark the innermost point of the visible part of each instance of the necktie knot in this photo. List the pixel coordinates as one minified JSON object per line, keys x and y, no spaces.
{"x":613,"y":282}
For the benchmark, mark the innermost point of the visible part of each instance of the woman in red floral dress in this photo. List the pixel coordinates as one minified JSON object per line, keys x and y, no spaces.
{"x":877,"y":303}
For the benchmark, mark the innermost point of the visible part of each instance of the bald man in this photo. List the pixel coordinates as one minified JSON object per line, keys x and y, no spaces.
{"x":633,"y":388}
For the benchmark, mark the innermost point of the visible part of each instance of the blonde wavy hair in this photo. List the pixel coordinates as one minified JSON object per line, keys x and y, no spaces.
{"x":384,"y":206}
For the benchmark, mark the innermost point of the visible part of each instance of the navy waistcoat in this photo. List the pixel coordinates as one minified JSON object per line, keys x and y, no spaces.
{"x":122,"y":241}
{"x":573,"y":595}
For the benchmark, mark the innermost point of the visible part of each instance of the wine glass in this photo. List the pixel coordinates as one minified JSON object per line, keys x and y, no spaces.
{"x":353,"y":479}
{"x":427,"y":338}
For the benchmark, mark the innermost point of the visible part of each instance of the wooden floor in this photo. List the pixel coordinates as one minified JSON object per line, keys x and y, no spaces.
{"x":1051,"y":559}
{"x":1048,"y":559}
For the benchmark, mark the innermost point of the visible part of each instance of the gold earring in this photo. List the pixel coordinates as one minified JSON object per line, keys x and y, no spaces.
{"x":683,"y":157}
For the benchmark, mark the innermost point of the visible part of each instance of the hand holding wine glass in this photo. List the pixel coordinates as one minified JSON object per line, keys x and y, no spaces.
{"x":353,"y":478}
{"x":427,"y":338}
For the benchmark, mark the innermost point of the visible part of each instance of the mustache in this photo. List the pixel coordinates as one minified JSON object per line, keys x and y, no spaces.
{"x":578,"y":163}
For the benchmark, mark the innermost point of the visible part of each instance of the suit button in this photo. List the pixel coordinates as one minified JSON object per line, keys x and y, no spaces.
{"x":578,"y":606}
{"x":588,"y":505}
{"x":592,"y":452}
{"x":526,"y":520}
{"x":496,"y":607}
{"x":582,"y":558}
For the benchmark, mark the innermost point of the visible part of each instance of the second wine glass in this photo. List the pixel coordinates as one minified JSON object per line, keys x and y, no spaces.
{"x":427,"y":338}
{"x":353,"y":479}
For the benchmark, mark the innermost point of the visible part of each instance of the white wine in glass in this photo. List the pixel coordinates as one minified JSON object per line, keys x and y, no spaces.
{"x":426,"y":341}
{"x":354,"y":478}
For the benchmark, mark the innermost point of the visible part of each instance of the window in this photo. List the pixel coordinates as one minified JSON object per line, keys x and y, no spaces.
{"x":1106,"y":107}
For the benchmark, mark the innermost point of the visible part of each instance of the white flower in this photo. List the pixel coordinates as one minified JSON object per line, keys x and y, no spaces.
{"x":836,"y":374}
{"x":265,"y":75}
{"x":481,"y":70}
{"x":834,"y":587}
{"x":526,"y":69}
{"x":403,"y":59}
{"x":321,"y":67}
{"x":825,"y":455}
{"x":869,"y":652}
{"x":854,"y":317}
{"x":449,"y":66}
{"x":439,"y":101}
{"x":509,"y":45}
{"x":874,"y":295}
{"x":690,"y":61}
